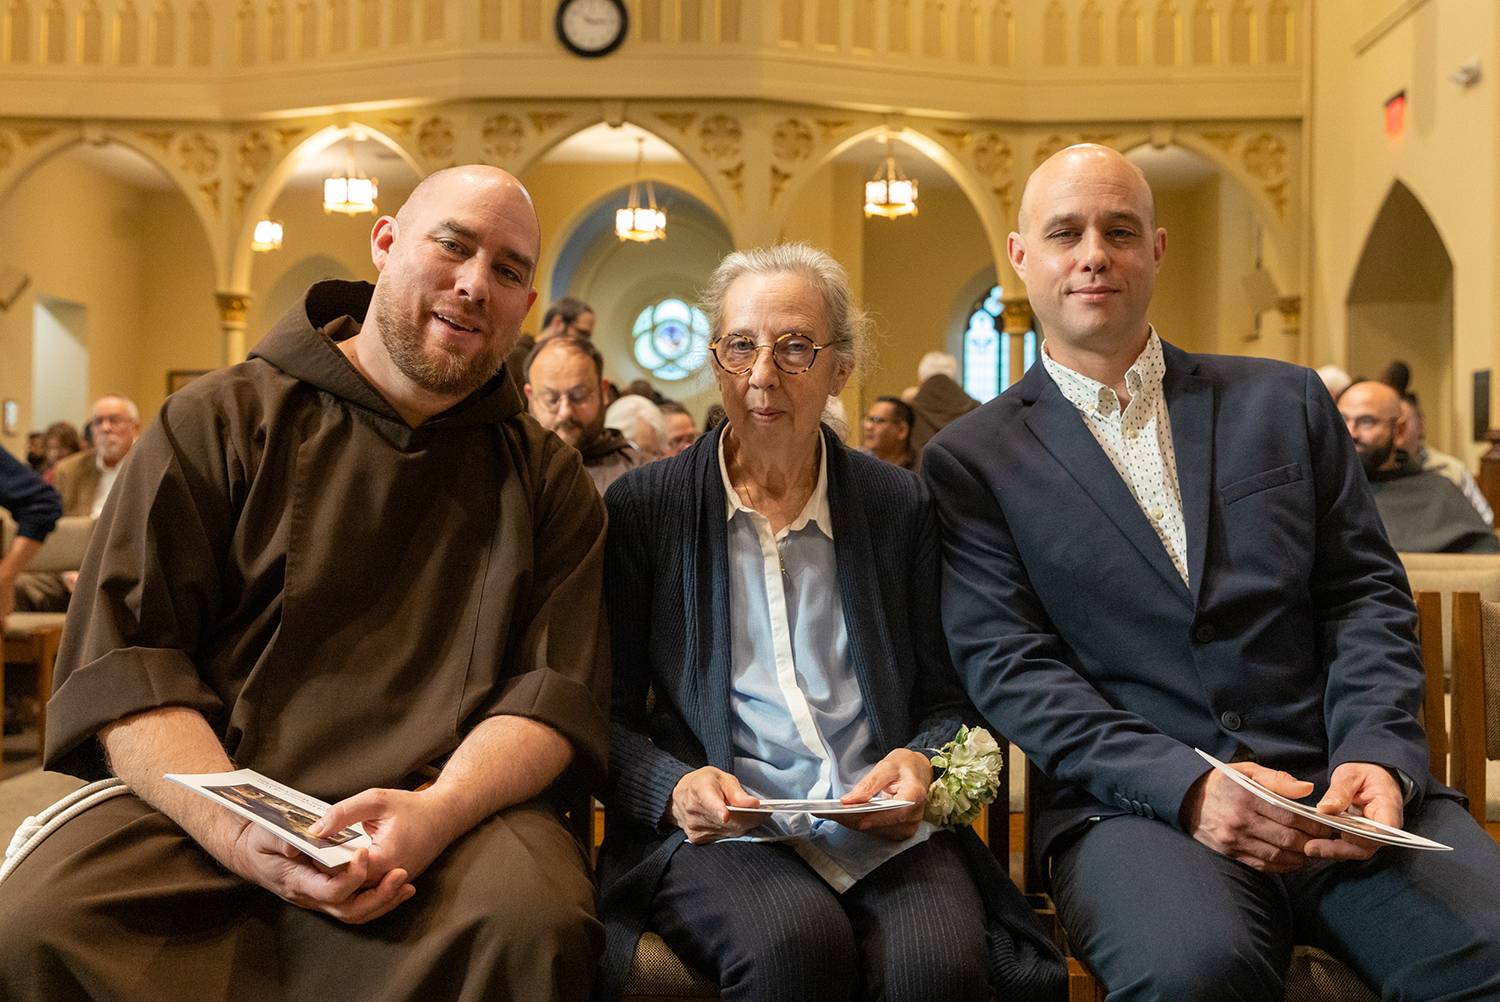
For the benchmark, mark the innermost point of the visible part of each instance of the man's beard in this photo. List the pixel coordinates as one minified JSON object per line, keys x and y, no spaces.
{"x":579,"y":436}
{"x":1373,"y":456}
{"x":438,"y":370}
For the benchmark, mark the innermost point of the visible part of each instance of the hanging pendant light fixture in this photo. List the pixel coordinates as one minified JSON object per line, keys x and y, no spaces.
{"x":352,"y":193}
{"x":267,"y":236}
{"x":637,"y":222}
{"x":891,"y":194}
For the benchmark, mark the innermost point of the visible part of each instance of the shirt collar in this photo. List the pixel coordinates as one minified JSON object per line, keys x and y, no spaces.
{"x":816,"y":510}
{"x":1142,"y":379}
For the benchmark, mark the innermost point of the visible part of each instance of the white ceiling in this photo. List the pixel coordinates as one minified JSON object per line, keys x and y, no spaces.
{"x":371,"y":158}
{"x":1172,"y":168}
{"x":870,"y":155}
{"x":607,"y":144}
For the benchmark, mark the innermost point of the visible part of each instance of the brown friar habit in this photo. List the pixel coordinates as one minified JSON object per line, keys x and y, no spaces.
{"x":343,"y":597}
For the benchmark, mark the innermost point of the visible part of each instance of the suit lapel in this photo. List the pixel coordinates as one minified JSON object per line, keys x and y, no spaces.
{"x":1062,"y":431}
{"x":1190,"y":402}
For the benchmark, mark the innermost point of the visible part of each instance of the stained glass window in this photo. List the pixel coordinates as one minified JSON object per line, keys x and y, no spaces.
{"x":986,"y":353}
{"x":671,"y":339}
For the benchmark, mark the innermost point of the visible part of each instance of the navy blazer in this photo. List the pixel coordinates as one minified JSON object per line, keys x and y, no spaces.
{"x":1294,"y":646}
{"x":666,"y":584}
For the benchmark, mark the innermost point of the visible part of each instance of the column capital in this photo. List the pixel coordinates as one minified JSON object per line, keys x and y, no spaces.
{"x":1016,"y":316}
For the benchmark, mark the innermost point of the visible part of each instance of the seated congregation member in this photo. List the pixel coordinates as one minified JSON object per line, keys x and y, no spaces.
{"x":776,"y":592}
{"x":886,"y":433}
{"x":939,"y":399}
{"x":568,"y":317}
{"x":353,"y":564}
{"x":84,"y":480}
{"x":62,"y":442}
{"x":681,"y":432}
{"x":641,"y":422}
{"x":1148,"y":552}
{"x":35,"y":507}
{"x":1451,"y":468}
{"x":1422,"y":510}
{"x":566,"y":391}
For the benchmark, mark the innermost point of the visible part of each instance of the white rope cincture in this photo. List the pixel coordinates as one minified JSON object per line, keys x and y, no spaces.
{"x":35,"y":829}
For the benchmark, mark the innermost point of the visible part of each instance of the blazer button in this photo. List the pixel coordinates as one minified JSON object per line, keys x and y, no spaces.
{"x":1204,"y":633}
{"x":1230,"y":719}
{"x":1123,"y":801}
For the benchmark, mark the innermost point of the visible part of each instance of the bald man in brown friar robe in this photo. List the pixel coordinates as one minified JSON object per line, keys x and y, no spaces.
{"x":354,"y":564}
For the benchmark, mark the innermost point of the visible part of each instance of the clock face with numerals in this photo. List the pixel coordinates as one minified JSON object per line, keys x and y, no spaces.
{"x":591,"y":27}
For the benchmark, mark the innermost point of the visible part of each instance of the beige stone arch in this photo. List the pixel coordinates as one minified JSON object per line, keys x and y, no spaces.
{"x":259,"y":202}
{"x":165,"y":148}
{"x":978,"y":190}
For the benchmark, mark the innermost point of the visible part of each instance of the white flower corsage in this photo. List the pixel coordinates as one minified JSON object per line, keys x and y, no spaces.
{"x":971,"y":778}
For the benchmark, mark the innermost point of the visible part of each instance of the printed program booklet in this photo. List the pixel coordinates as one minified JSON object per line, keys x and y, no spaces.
{"x":821,"y":807}
{"x":1355,"y":824}
{"x":280,"y":810}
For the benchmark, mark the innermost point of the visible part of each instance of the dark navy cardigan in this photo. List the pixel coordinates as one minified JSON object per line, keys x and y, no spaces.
{"x":666,"y":584}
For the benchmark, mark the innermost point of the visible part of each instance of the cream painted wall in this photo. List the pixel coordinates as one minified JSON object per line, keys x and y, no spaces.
{"x":81,"y":236}
{"x":180,"y":320}
{"x":829,"y":214}
{"x":1448,"y":160}
{"x":913,"y":270}
{"x":1184,"y":307}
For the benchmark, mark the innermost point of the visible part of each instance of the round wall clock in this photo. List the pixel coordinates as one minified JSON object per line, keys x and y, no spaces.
{"x":592,"y":28}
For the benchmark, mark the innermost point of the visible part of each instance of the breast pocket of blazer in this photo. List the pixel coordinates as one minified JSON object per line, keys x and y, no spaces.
{"x":1269,"y":524}
{"x":1241,"y":489}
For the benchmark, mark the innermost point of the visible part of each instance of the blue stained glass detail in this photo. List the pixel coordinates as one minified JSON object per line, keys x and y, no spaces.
{"x":671,"y":339}
{"x":987,"y":350}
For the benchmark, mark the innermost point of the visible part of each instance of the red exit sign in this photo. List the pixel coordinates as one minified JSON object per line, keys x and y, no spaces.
{"x":1395,"y":117}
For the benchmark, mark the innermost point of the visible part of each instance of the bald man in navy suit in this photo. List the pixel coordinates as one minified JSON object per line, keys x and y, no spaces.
{"x":1148,"y":552}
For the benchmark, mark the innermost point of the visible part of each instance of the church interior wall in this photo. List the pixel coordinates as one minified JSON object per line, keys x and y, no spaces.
{"x":180,"y":324}
{"x":82,"y":237}
{"x":1184,"y":307}
{"x":1447,"y":158}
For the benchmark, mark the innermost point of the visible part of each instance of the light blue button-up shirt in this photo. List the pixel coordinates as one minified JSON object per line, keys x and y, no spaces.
{"x":800,"y":729}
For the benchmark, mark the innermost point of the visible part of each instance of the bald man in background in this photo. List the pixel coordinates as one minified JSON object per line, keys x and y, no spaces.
{"x":1423,"y":511}
{"x":1148,"y":552}
{"x":353,"y":564}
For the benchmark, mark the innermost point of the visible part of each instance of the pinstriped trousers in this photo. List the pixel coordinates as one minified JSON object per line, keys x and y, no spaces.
{"x":771,"y":929}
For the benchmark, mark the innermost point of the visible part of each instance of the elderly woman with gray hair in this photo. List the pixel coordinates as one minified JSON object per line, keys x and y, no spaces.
{"x":775,"y":633}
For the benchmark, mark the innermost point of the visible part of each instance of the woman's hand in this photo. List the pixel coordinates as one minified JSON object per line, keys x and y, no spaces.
{"x":700,"y":806}
{"x":904,"y":775}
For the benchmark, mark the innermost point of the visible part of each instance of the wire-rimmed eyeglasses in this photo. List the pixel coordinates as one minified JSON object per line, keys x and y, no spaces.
{"x":793,"y":353}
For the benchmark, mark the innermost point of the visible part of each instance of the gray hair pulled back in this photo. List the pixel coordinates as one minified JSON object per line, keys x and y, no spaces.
{"x":850,"y":332}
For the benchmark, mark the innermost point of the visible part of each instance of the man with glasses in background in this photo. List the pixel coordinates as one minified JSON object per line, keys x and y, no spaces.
{"x":565,"y":385}
{"x":84,"y":481}
{"x":887,"y":433}
{"x":1423,"y":511}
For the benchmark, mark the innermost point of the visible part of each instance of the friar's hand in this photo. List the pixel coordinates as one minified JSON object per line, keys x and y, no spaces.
{"x":1374,"y":791}
{"x":287,"y":872}
{"x":700,"y":806}
{"x":904,"y":774}
{"x":1235,"y":822}
{"x":407,"y":830}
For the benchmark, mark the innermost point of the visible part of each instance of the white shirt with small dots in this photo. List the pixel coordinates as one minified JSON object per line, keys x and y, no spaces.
{"x":1138,"y":441}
